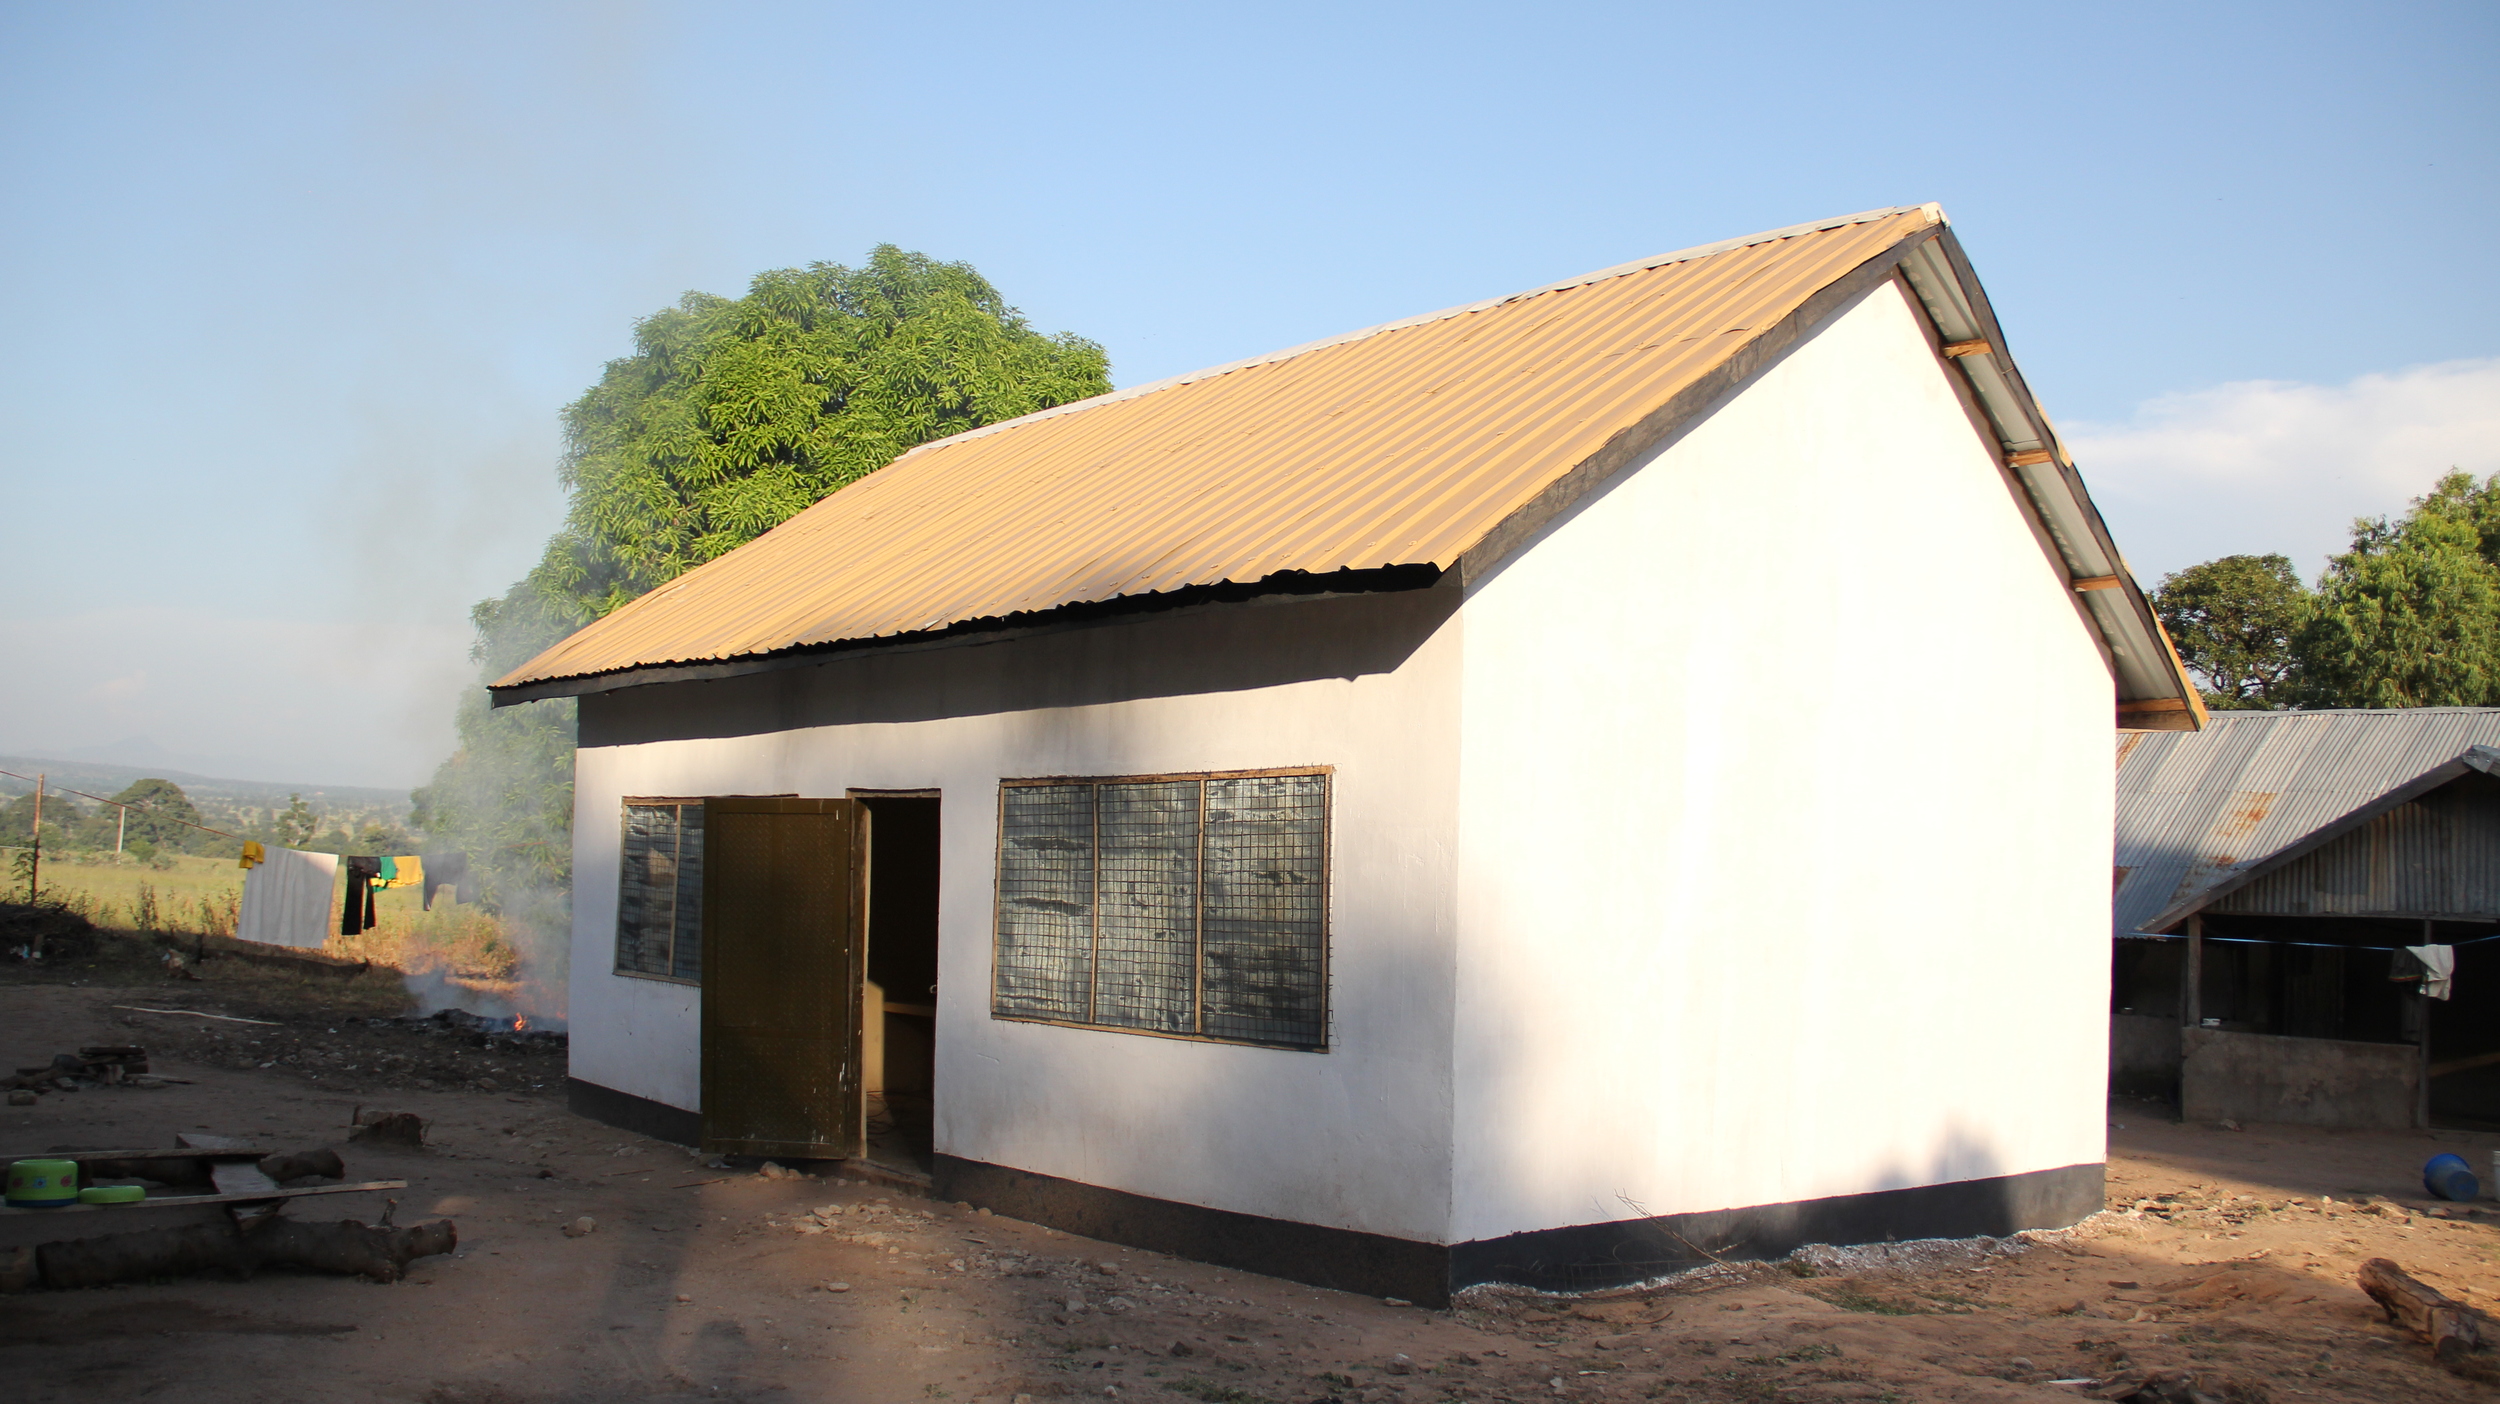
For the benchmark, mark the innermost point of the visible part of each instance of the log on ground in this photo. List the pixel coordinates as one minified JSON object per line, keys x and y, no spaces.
{"x":382,"y":1254}
{"x":2464,"y":1340}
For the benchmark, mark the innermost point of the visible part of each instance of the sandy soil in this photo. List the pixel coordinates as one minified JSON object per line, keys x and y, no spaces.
{"x":2221,"y":1254}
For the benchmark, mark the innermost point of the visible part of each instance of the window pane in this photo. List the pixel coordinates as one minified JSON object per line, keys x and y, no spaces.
{"x":688,"y":922}
{"x":1266,"y":916}
{"x":1147,"y":953}
{"x":645,"y":890}
{"x":1045,"y":901}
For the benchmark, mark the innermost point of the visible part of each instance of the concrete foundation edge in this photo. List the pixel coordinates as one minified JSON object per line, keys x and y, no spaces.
{"x":627,"y":1112}
{"x":1586,"y":1257}
{"x":1580,"y":1258}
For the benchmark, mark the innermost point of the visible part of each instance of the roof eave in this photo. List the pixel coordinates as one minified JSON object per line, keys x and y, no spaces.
{"x":1281,"y":588}
{"x":2154,"y":691}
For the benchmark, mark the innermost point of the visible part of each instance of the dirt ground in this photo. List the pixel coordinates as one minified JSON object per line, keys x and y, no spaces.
{"x":2227,"y":1252}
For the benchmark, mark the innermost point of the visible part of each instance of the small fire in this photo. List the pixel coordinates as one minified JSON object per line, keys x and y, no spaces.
{"x":519,"y":1023}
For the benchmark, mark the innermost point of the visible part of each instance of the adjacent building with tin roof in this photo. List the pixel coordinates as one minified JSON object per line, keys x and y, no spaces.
{"x":2272,"y":872}
{"x":1452,"y":802}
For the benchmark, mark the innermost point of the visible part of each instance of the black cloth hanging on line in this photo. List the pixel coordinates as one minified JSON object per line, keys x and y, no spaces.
{"x":448,"y":870}
{"x":356,"y":914}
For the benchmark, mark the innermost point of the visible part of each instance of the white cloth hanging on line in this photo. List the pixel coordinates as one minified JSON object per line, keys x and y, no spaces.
{"x":2439,"y":968}
{"x":286,"y":898}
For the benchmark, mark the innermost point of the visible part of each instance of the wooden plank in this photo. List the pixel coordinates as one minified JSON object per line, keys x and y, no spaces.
{"x":1976,"y":347}
{"x":2479,"y":1060}
{"x":151,"y":1153}
{"x":198,"y":1014}
{"x":2096,"y":582}
{"x":239,"y":1177}
{"x":201,"y":1140}
{"x":178,"y":1201}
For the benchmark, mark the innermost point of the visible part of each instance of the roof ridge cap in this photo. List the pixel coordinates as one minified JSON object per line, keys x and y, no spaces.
{"x":1934,"y":212}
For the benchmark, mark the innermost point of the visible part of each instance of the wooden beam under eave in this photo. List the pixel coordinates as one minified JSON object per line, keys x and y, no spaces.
{"x":2159,"y":714}
{"x":1975,"y":347}
{"x":2096,"y":582}
{"x":2029,"y":457}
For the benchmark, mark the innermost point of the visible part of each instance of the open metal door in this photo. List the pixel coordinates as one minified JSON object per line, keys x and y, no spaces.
{"x":782,"y":965}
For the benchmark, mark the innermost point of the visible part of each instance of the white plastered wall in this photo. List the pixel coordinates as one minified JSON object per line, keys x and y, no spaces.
{"x":1785,"y":819}
{"x":1356,"y":1137}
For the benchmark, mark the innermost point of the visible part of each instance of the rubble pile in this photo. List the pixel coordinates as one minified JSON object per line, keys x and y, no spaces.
{"x":102,"y":1065}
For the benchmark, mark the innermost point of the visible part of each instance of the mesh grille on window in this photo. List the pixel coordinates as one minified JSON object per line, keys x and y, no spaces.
{"x":1146,"y":923}
{"x":1266,"y":907}
{"x":1169,"y":906}
{"x":687,"y":923}
{"x":1045,"y":946}
{"x":659,"y":899}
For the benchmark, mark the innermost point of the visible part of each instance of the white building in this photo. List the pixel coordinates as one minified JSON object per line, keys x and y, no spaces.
{"x":1534,"y":792}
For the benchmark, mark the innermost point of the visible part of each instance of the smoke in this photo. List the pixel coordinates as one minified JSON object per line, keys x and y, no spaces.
{"x":505,"y":798}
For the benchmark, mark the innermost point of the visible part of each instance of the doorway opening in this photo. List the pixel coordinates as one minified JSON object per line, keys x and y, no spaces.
{"x":898,"y":1034}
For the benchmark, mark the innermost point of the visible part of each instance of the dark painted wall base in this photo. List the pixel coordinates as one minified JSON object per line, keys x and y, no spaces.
{"x":1588,"y":1256}
{"x":1369,"y":1263}
{"x":627,"y":1112}
{"x":1581,"y":1258}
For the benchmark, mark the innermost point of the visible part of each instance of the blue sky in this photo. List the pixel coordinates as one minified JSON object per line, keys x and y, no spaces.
{"x":295,"y":292}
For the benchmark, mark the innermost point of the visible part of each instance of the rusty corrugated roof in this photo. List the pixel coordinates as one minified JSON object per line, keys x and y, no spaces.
{"x":2198,"y":813}
{"x":1403,"y":445}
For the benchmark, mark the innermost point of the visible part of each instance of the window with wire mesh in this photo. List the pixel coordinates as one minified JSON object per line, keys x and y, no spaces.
{"x":659,"y":898}
{"x":1188,"y":905}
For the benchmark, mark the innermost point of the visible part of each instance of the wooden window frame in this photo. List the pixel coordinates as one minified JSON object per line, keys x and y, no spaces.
{"x":624,"y":805}
{"x":1327,"y":892}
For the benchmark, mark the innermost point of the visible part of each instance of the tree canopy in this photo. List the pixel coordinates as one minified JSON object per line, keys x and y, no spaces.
{"x":160,"y":815}
{"x":2409,"y":616}
{"x":730,"y":416}
{"x":733,"y":416}
{"x":2235,"y":622}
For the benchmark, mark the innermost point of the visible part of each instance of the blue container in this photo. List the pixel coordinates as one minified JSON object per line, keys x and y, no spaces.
{"x":2447,"y":1176}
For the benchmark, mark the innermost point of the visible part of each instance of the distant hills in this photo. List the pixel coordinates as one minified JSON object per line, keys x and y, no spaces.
{"x":207,"y":791}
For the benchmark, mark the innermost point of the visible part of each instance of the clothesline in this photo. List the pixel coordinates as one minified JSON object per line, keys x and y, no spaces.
{"x":288,"y":891}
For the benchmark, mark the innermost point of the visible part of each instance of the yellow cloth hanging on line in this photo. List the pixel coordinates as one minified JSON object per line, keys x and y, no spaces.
{"x":253,"y":854}
{"x":406,"y":872}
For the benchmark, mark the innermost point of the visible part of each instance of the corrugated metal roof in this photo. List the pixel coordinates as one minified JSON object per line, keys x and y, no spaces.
{"x":1402,"y":446}
{"x":2198,"y":810}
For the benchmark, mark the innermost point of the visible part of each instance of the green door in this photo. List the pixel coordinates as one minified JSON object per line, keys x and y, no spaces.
{"x":781,"y":978}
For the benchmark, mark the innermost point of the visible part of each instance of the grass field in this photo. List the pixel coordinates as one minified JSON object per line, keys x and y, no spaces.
{"x":197,"y":894}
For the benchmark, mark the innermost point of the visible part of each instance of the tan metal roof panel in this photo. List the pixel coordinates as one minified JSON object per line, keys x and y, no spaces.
{"x":1403,"y":445}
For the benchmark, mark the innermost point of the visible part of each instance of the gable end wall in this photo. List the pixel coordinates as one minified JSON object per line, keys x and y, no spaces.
{"x":1785,"y":809}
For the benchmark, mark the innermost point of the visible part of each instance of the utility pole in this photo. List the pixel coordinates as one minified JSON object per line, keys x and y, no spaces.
{"x":34,"y":868}
{"x":121,"y":822}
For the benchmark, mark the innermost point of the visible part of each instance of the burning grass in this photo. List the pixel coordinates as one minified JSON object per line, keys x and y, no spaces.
{"x":462,"y":942}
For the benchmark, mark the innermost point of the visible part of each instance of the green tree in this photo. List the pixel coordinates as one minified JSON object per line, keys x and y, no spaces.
{"x":729,"y":417}
{"x":159,"y":815}
{"x":297,"y":825}
{"x":2236,"y":621}
{"x":17,"y":819}
{"x":2410,"y":616}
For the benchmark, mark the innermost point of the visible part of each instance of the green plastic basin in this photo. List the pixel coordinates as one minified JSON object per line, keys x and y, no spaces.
{"x":42,"y":1184}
